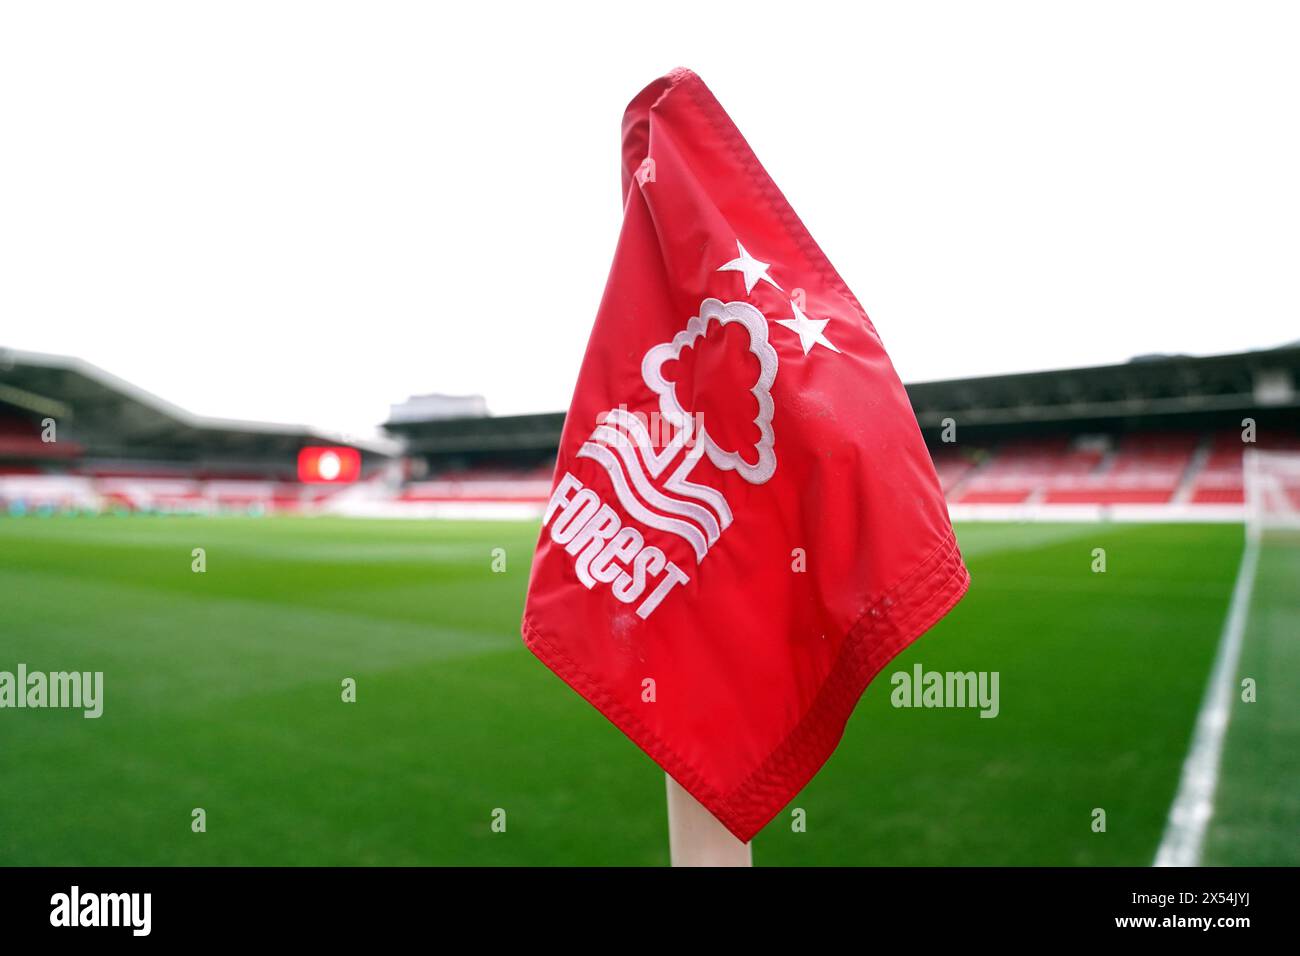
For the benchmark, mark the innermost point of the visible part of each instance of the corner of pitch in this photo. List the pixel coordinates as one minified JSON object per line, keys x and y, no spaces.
{"x":605,"y":550}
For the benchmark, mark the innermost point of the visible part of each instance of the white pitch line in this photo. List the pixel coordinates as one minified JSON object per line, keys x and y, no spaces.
{"x":1194,"y":804}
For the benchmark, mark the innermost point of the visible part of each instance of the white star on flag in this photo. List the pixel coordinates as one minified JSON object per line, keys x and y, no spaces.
{"x":752,"y":269}
{"x":810,"y":331}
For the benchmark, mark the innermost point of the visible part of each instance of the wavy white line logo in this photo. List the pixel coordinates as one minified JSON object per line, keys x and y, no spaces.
{"x":621,"y":444}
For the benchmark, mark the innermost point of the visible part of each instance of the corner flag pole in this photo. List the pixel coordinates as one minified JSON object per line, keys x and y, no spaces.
{"x":696,"y":838}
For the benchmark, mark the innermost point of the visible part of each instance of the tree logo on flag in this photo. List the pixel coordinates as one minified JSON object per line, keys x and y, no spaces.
{"x":694,"y":512}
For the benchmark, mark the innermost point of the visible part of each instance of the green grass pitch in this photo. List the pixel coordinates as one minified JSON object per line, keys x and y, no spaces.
{"x":222,"y":691}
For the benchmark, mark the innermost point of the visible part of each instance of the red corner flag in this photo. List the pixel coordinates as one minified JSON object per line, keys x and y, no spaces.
{"x":745,"y":525}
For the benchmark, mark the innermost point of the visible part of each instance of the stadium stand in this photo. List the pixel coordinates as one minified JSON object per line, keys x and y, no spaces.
{"x":74,"y":437}
{"x":1160,"y":438}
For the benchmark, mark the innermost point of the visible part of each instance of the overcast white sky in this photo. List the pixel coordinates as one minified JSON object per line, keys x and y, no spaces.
{"x":305,"y":211}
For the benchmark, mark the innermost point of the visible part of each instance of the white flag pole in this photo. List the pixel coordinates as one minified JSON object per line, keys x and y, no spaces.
{"x":696,"y":838}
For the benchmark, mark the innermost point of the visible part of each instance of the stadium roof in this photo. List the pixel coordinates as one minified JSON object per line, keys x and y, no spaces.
{"x":505,"y":433}
{"x":102,"y":409}
{"x":1146,"y":387}
{"x":1152,"y":391}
